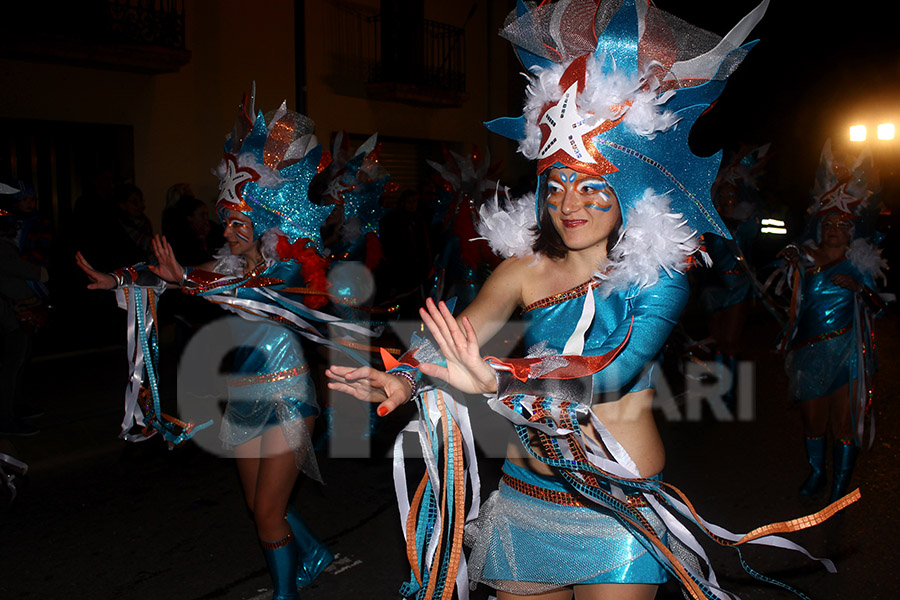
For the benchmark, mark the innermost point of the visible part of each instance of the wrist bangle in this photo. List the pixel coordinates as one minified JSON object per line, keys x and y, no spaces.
{"x":118,"y":278}
{"x":414,"y":385}
{"x":184,"y":276}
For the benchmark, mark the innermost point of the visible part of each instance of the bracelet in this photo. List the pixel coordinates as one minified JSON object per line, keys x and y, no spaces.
{"x":184,"y":276}
{"x":120,"y":281}
{"x":412,"y":382}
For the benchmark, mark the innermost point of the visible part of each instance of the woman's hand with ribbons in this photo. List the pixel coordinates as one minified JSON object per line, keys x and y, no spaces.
{"x":465,"y":369}
{"x":99,"y":281}
{"x":167,"y":268}
{"x":370,"y":385}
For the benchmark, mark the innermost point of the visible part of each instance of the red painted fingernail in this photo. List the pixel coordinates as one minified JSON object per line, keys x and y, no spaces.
{"x":382,"y":410}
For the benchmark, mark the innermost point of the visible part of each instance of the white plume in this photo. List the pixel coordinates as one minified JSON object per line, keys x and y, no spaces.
{"x":867,"y":258}
{"x":510,"y":232}
{"x":652,"y":239}
{"x":605,"y":96}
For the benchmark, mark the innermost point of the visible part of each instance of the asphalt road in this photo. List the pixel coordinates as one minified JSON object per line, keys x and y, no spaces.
{"x":99,"y":518}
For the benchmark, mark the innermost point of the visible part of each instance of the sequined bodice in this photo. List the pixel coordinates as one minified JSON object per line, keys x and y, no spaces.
{"x":826,"y":307}
{"x":654,"y":310}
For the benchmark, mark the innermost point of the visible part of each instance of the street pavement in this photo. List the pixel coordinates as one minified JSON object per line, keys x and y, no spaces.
{"x":99,"y":518}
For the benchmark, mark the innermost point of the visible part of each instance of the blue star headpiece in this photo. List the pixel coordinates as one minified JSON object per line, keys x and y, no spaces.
{"x":847,"y":186}
{"x":266,"y":172}
{"x":615,"y":87}
{"x":357,"y":183}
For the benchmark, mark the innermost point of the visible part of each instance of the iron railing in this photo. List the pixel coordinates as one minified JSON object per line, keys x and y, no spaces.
{"x":147,"y":22}
{"x":431,"y":55}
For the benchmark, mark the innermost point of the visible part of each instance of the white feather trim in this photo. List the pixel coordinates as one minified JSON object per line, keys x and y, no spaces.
{"x":605,"y":96}
{"x":653,"y":239}
{"x":234,"y":264}
{"x":510,"y":231}
{"x":867,"y":258}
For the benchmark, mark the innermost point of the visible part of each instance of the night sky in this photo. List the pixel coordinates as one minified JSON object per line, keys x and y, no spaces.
{"x":816,"y":70}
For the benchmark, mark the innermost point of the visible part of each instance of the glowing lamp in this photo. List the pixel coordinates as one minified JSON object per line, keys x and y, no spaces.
{"x":858,"y":133}
{"x":886,"y":131}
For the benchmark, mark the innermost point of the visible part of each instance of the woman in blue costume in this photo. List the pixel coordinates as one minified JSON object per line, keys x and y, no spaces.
{"x":598,"y":274}
{"x":831,"y":359}
{"x":263,"y":274}
{"x":727,"y":290}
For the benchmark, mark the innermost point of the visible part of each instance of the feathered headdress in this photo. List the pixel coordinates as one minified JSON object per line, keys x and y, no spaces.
{"x":843,"y":185}
{"x":615,"y":87}
{"x":357,"y":183}
{"x":268,"y":165}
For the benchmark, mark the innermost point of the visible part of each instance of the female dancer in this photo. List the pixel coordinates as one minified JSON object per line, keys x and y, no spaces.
{"x":261,"y":273}
{"x":581,"y":509}
{"x":831,"y":359}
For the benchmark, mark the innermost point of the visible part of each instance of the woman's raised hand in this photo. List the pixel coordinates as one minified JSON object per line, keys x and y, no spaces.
{"x":847,"y":281}
{"x":99,"y":281}
{"x":168,"y":268}
{"x":370,"y":385}
{"x":466,"y":369}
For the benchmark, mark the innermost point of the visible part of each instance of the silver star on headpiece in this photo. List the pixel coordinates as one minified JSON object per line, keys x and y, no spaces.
{"x":568,"y":128}
{"x":234,"y":178}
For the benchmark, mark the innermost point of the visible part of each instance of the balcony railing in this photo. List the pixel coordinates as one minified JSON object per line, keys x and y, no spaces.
{"x":433,"y":57}
{"x":133,"y":35}
{"x":400,"y":59}
{"x":150,"y":22}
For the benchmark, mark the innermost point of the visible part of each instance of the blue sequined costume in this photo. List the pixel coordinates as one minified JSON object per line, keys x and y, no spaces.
{"x":824,"y":353}
{"x":269,"y":382}
{"x":730,"y":282}
{"x":530,"y":537}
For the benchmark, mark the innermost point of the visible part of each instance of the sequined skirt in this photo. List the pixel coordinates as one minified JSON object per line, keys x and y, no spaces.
{"x":819,"y":368}
{"x":526,"y":545}
{"x":257,"y":403}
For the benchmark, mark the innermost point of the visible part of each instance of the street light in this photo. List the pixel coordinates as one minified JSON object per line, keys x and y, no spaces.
{"x":858,"y":133}
{"x":886,"y":131}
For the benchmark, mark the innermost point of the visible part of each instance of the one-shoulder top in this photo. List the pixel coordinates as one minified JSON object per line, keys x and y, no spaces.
{"x":654,"y":309}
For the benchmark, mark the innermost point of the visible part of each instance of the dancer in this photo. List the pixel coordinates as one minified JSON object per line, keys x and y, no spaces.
{"x":728,"y":288}
{"x":581,"y":508}
{"x":831,"y":360}
{"x":268,"y":267}
{"x":464,"y":260}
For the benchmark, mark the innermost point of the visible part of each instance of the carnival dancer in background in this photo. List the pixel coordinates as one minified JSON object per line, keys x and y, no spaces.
{"x":272,"y":274}
{"x":728,"y":286}
{"x":831,"y":358}
{"x":464,"y":259}
{"x":600,"y":280}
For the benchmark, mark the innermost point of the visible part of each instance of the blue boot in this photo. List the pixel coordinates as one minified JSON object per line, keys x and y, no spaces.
{"x":845,"y":452}
{"x":282,"y":558}
{"x":314,"y":555}
{"x":815,"y":453}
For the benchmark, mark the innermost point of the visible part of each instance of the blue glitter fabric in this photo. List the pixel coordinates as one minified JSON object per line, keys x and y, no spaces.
{"x":730,"y":283}
{"x":655,"y":310}
{"x":519,"y":540}
{"x":825,"y":353}
{"x":690,"y":67}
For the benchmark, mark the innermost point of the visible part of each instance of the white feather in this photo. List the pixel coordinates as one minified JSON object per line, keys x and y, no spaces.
{"x":867,"y":258}
{"x":510,"y":231}
{"x":605,"y":96}
{"x":234,"y":264}
{"x":653,"y":239}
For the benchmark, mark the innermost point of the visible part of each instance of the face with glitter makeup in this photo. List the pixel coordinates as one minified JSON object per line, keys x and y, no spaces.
{"x":583,"y":207}
{"x":239,"y":233}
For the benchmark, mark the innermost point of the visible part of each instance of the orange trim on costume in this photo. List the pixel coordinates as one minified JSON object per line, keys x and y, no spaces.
{"x":578,"y":366}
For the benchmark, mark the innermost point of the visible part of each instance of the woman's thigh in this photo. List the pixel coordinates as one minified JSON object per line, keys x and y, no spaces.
{"x":616,"y":591}
{"x":564,"y":594}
